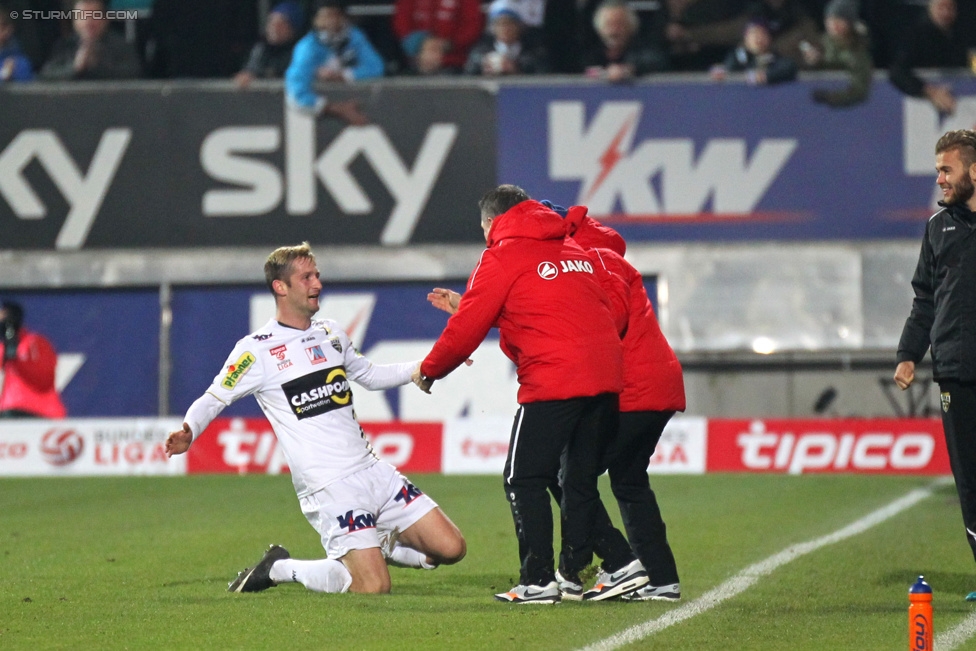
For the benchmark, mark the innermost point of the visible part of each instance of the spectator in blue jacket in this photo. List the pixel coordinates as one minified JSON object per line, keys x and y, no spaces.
{"x":14,"y":65}
{"x":334,"y":50}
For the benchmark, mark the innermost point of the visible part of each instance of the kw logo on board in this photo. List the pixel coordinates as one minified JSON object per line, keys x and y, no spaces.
{"x":613,"y":169}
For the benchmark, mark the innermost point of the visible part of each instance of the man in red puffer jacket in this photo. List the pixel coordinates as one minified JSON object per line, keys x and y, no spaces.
{"x":555,"y":323}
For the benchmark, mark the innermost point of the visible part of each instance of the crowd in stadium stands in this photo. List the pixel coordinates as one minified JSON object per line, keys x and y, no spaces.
{"x":766,"y":41}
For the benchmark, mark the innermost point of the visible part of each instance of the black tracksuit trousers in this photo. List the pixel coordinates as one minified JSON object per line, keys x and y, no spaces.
{"x":958,"y":401}
{"x":582,"y":427}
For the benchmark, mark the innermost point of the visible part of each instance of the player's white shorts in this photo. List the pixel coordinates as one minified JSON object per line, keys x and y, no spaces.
{"x":360,"y":511}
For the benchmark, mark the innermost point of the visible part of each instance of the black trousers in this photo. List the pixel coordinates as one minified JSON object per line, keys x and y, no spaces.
{"x":959,"y":423}
{"x":582,"y":427}
{"x":627,"y":460}
{"x":627,"y":457}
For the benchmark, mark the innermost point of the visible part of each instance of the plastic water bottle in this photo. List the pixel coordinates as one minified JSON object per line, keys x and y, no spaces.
{"x":920,"y":616}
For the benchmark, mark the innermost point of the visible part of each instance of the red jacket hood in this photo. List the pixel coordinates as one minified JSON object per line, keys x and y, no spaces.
{"x":529,"y":219}
{"x":591,"y":234}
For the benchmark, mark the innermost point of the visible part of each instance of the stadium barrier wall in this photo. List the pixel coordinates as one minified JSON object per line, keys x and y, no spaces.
{"x":113,"y":344}
{"x":184,"y":164}
{"x":690,"y":445}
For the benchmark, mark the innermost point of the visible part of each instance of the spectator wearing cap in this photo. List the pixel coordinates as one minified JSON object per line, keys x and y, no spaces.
{"x":756,"y":58}
{"x":456,"y":24}
{"x":14,"y":65}
{"x":844,"y":46}
{"x":502,"y":51}
{"x":425,"y":55}
{"x":620,"y":55}
{"x":336,"y":51}
{"x":92,"y":50}
{"x":271,"y":55}
{"x":935,"y":42}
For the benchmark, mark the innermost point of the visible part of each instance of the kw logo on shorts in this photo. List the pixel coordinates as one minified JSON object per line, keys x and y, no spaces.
{"x":356,"y":523}
{"x":946,"y":399}
{"x":408,"y":494}
{"x":236,"y":370}
{"x":319,"y":392}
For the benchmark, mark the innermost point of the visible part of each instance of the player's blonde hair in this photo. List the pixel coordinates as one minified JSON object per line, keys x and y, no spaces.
{"x":278,"y":265}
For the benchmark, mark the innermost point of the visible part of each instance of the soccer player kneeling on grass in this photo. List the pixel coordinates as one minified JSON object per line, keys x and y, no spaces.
{"x":367,"y":513}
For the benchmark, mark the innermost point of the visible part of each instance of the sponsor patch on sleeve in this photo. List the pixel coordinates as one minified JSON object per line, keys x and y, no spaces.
{"x":237,"y":370}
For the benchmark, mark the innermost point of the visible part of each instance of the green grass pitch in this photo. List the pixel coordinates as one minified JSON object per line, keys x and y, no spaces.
{"x":139,"y":563}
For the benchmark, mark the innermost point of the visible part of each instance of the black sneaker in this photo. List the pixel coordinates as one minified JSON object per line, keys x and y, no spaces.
{"x":258,"y":578}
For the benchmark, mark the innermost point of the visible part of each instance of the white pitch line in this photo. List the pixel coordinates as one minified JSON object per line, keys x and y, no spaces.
{"x":961,"y":633}
{"x":749,"y":576}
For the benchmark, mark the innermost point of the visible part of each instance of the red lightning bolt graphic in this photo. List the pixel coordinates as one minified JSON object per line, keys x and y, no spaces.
{"x":609,"y":159}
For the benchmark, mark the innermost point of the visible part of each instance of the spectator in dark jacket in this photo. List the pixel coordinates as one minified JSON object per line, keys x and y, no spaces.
{"x":271,"y":55}
{"x":700,"y":31}
{"x":756,"y":58}
{"x":845,"y":46}
{"x":14,"y":65}
{"x":92,"y":51}
{"x":503,"y":51}
{"x":621,"y":56}
{"x":935,"y":42}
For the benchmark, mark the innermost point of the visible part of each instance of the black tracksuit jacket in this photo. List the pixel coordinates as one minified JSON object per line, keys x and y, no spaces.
{"x":944,"y":310}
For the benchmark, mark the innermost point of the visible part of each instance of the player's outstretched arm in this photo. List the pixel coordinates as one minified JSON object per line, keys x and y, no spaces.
{"x":424,"y":383}
{"x":444,"y":299}
{"x":179,"y":441}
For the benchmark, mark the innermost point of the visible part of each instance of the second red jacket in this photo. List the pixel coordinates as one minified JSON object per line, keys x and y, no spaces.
{"x":554,"y":320}
{"x":653,"y":378}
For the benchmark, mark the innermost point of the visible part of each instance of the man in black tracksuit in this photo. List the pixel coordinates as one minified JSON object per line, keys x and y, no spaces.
{"x":944,"y":313}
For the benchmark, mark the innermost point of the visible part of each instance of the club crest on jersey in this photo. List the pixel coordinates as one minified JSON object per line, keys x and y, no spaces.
{"x":946,"y":399}
{"x":408,"y":494}
{"x":336,"y":344}
{"x":315,"y":354}
{"x":351,"y":522}
{"x":237,"y":370}
{"x":547,"y":270}
{"x":279,"y":352}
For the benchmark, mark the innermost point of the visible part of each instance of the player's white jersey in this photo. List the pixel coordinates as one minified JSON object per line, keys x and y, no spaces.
{"x":301,"y":380}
